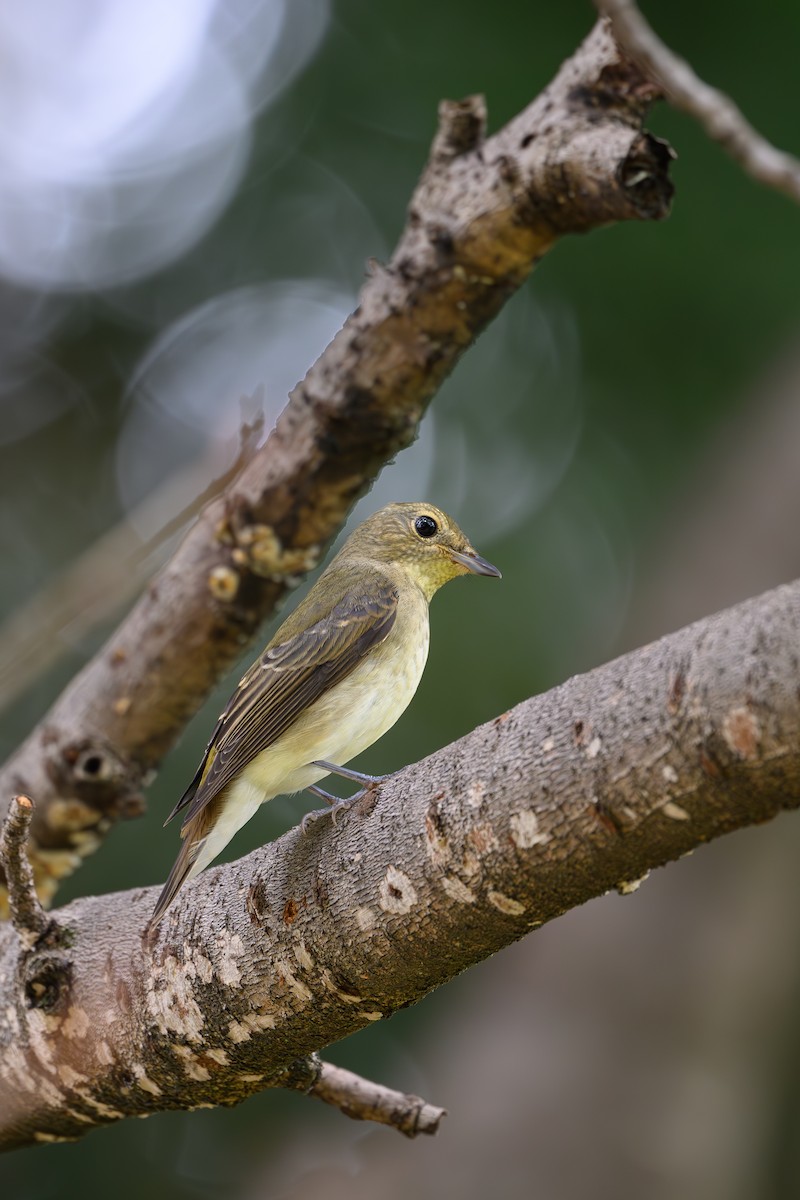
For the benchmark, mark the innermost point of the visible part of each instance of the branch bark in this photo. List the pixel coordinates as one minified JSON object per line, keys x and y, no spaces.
{"x":262,"y":962}
{"x":484,"y":212}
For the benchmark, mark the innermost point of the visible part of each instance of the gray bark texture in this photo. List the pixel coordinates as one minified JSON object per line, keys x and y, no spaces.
{"x":484,"y":212}
{"x":264,"y":961}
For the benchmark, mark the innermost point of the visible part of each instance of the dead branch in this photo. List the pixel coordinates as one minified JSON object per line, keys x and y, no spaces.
{"x":362,"y":1100}
{"x":715,"y":112}
{"x":484,"y":212}
{"x":266,"y":960}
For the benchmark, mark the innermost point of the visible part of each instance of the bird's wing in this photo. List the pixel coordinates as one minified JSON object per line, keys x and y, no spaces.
{"x":286,"y":680}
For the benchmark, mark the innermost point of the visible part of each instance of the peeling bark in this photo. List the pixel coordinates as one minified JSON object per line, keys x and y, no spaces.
{"x":264,"y":961}
{"x":484,"y":212}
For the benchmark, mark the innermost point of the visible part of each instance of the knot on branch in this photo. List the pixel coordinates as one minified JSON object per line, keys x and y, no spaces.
{"x":462,"y":128}
{"x":46,"y":976}
{"x":94,"y":786}
{"x":644,"y":173}
{"x":89,"y":768}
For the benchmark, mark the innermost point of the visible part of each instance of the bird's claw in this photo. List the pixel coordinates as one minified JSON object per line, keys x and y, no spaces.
{"x":335,"y":810}
{"x":313,"y":816}
{"x":341,"y":806}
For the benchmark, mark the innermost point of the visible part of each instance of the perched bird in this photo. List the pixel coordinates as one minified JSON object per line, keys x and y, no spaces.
{"x":337,"y":674}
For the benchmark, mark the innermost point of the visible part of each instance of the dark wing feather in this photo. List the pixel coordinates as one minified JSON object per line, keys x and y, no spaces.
{"x":286,"y":680}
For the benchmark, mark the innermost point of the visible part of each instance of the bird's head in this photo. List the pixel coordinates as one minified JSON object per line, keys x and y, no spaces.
{"x":423,"y":540}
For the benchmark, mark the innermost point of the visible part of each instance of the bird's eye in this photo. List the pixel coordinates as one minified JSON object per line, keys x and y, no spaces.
{"x":426,"y":527}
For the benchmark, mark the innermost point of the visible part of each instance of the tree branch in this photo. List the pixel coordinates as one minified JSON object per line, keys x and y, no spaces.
{"x":483,"y":213}
{"x":715,"y":112}
{"x":361,"y":1099}
{"x":27,"y":915}
{"x":264,"y":961}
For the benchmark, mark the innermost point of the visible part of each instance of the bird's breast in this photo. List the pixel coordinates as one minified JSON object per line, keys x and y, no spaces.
{"x":366,"y":704}
{"x":354,"y":713}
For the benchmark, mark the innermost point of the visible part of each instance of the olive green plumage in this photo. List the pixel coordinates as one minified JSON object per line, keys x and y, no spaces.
{"x":337,"y":674}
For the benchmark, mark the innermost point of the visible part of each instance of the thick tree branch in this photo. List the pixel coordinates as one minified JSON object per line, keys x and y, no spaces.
{"x":484,"y":212}
{"x":264,"y":961}
{"x":715,"y":112}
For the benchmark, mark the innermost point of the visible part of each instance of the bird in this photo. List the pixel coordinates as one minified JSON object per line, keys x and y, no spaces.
{"x":338,"y":673}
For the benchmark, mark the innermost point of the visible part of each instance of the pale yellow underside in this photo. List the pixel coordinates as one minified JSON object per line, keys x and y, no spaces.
{"x":342,"y":723}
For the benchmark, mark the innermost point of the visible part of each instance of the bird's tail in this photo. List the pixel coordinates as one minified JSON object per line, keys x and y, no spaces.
{"x":186,"y":865}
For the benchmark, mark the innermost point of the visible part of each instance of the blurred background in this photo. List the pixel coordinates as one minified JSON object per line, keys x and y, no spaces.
{"x":190,"y":193}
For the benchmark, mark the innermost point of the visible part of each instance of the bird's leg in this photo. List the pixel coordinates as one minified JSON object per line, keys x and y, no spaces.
{"x":337,"y":805}
{"x":328,"y":797}
{"x":368,"y":782}
{"x":310,"y":817}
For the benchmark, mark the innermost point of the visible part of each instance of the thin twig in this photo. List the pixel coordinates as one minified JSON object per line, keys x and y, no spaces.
{"x":715,"y":112}
{"x":27,"y":915}
{"x":362,"y":1099}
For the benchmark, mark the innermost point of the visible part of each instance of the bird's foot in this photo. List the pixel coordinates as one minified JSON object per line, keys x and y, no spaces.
{"x":313,"y":816}
{"x":328,"y":797}
{"x":338,"y":805}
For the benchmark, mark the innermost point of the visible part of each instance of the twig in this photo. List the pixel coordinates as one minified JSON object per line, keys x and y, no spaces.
{"x":714,"y":111}
{"x":363,"y":1100}
{"x":27,"y":915}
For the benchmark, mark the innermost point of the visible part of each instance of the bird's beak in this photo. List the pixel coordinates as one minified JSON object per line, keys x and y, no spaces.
{"x":473,"y":563}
